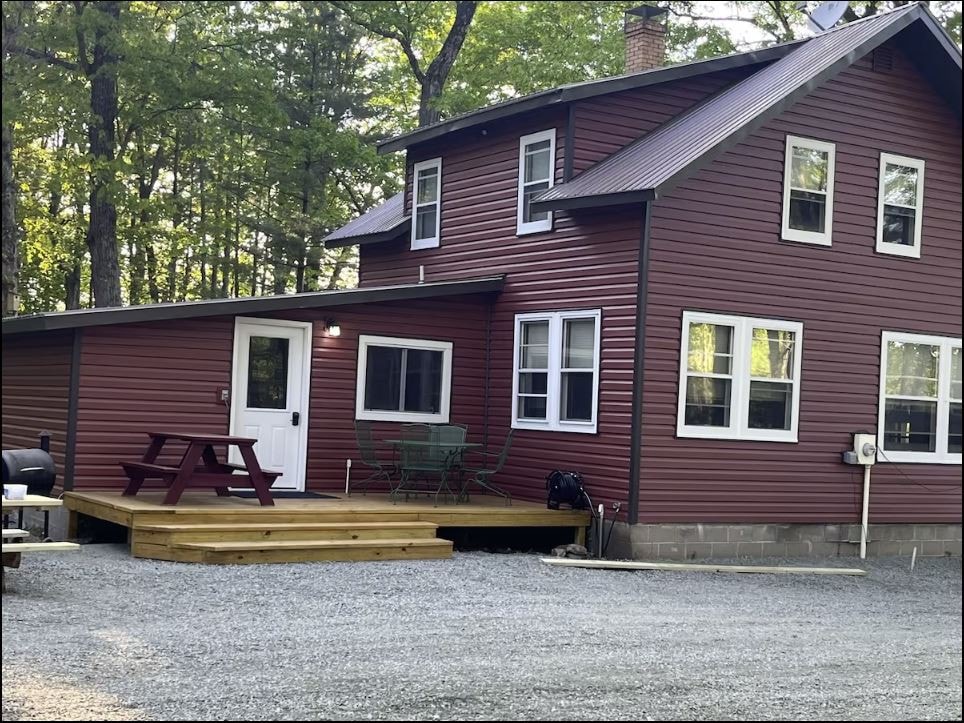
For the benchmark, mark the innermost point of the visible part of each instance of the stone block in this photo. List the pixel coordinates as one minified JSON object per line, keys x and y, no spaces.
{"x":749,"y":549}
{"x":933,"y":548}
{"x":739,"y":533}
{"x":884,"y":548}
{"x":670,"y":551}
{"x":925,"y":532}
{"x":723,"y":549}
{"x":645,"y":551}
{"x":664,"y":533}
{"x":801,"y":548}
{"x":697,"y":550}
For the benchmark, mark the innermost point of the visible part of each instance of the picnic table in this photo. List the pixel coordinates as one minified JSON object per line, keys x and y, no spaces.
{"x":200,"y":467}
{"x":12,"y":550}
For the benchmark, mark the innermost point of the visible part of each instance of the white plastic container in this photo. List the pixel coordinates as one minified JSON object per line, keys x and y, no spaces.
{"x":15,"y":492}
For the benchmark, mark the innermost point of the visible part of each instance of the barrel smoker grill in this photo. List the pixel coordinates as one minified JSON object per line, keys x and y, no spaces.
{"x":34,"y":468}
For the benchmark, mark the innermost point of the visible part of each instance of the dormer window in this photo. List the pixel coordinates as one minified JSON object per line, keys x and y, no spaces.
{"x":900,"y":202}
{"x":426,"y":204}
{"x":808,"y":191}
{"x":537,"y":153}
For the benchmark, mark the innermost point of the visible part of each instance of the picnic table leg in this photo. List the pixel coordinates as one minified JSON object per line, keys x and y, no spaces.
{"x":258,"y":481}
{"x":184,"y":472}
{"x":153,"y":450}
{"x":136,"y":480}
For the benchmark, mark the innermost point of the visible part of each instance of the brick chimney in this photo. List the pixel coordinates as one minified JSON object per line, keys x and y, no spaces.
{"x":645,"y":38}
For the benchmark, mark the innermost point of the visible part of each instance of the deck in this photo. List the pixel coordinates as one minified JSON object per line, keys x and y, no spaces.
{"x":205,"y":528}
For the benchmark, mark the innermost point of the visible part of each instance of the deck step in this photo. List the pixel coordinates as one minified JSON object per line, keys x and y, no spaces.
{"x":269,"y":531}
{"x":297,"y":551}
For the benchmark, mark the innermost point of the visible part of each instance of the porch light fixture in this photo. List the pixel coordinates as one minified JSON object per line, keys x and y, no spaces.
{"x":332,"y":327}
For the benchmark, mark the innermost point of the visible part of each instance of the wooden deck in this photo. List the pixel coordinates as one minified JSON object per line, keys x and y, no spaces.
{"x":210,"y":529}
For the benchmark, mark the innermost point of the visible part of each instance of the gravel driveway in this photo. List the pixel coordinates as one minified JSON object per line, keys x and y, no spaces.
{"x":101,"y":636}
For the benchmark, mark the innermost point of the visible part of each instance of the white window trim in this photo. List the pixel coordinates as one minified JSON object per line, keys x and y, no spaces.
{"x":523,"y":228}
{"x":809,"y":237}
{"x":433,"y":242}
{"x":740,"y":388}
{"x":941,"y":455}
{"x":552,"y":422}
{"x":891,"y":248}
{"x":379,"y":415}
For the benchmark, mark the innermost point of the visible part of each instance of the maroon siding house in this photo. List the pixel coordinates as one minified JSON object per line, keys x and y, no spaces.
{"x":693,"y":284}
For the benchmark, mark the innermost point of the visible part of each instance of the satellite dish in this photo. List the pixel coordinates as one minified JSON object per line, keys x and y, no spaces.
{"x":826,"y":15}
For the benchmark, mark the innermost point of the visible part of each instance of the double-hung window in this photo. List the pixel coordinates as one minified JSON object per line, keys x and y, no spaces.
{"x":426,"y":204}
{"x":739,"y":378}
{"x":403,"y":380}
{"x":808,"y":191}
{"x":920,"y":399}
{"x":900,"y":205}
{"x":537,"y":154}
{"x":556,"y":371}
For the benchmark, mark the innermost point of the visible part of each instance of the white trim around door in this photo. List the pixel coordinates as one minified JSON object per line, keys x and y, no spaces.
{"x":294,"y":437}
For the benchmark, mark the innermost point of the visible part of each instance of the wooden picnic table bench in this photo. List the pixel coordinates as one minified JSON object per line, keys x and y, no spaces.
{"x":10,"y":551}
{"x":200,"y":467}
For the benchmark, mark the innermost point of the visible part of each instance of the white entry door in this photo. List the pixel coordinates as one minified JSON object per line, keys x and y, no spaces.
{"x":269,"y":395}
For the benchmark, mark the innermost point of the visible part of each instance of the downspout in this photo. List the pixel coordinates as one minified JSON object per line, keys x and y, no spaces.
{"x":639,"y":358}
{"x":488,"y":374}
{"x":73,"y":395}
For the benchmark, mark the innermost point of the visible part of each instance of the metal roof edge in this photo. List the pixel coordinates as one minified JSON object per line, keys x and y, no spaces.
{"x":371,"y":238}
{"x":252,"y":305}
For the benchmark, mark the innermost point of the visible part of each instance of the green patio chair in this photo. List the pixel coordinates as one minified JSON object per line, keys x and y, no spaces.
{"x":426,"y":455}
{"x":367,"y":449}
{"x":483,"y":467}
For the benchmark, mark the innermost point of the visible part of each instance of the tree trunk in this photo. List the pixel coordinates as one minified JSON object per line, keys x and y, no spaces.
{"x":72,"y":286}
{"x":433,"y":81}
{"x":102,"y":229}
{"x":11,"y":233}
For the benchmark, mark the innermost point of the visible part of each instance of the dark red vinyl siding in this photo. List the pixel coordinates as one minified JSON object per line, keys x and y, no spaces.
{"x":136,"y":378}
{"x":587,"y":262}
{"x":716,"y":247}
{"x":36,"y":384}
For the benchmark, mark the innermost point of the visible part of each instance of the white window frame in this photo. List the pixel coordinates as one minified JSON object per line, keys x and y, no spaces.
{"x":381,"y":415}
{"x":892,"y":248}
{"x":740,"y":375}
{"x":433,"y":242}
{"x":522,"y":227}
{"x":940,"y":455}
{"x":552,"y":422}
{"x":792,"y":234}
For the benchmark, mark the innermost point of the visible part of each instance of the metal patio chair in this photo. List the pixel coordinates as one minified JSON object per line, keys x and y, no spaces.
{"x":483,"y":468}
{"x":367,"y":449}
{"x":426,"y":453}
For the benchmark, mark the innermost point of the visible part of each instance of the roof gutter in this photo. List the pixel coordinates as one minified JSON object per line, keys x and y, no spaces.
{"x":370,"y":238}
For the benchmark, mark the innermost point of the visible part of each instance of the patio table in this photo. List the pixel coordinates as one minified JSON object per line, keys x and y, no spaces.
{"x":440,"y":465}
{"x":210,"y":473}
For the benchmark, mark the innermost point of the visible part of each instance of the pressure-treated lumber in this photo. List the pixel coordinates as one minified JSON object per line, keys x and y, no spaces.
{"x":699,"y":567}
{"x":8,"y":547}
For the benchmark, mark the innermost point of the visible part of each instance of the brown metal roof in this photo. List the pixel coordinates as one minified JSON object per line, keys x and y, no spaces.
{"x":250,"y":305}
{"x":585,"y":89}
{"x":382,"y":223}
{"x":643,"y":169}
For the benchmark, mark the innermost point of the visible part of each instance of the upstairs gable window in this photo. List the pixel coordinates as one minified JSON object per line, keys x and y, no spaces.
{"x":426,"y":204}
{"x":808,"y":191}
{"x":900,"y":202}
{"x":537,"y":153}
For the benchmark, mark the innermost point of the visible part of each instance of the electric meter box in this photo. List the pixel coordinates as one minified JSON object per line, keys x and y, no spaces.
{"x":865,"y":447}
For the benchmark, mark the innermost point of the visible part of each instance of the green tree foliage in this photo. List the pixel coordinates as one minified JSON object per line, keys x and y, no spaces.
{"x":243,"y":131}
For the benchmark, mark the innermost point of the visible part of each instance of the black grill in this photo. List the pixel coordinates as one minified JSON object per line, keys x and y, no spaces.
{"x":32,"y":467}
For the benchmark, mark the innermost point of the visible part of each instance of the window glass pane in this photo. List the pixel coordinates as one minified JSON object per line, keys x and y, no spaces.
{"x":956,"y":373}
{"x":428,"y":185}
{"x":912,"y":369}
{"x":537,"y":161}
{"x":267,"y":373}
{"x":710,"y":349}
{"x":808,"y":169}
{"x":899,"y":225}
{"x":532,"y":408}
{"x":771,"y":354}
{"x":528,"y":215}
{"x":577,"y":396}
{"x":383,"y":378}
{"x":578,"y":343}
{"x":533,"y":383}
{"x":910,"y":426}
{"x":770,"y":405}
{"x":425,"y":222}
{"x":707,"y":402}
{"x":423,"y":381}
{"x":808,"y":211}
{"x":534,"y":353}
{"x":954,"y":429}
{"x":900,"y":185}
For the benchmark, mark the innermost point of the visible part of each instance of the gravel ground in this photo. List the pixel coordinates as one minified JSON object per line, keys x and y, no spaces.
{"x":101,"y":636}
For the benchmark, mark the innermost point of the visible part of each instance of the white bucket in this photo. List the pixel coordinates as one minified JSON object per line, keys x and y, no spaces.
{"x":15,"y":492}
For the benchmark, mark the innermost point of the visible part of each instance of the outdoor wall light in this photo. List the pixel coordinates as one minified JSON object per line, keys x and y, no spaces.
{"x":332,"y":327}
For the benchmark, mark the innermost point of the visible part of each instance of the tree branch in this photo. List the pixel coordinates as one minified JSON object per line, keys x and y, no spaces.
{"x":405,"y":41}
{"x":48,"y":56}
